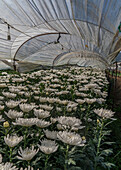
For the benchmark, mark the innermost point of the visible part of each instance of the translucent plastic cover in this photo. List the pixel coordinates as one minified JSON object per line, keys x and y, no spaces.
{"x":59,"y":32}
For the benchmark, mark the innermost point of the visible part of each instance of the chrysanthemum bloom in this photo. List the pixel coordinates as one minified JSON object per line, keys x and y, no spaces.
{"x":41,"y":113}
{"x":14,"y":90}
{"x":80,"y":101}
{"x":9,"y":95}
{"x":1,"y":158}
{"x":36,"y":97}
{"x":3,"y":85}
{"x":11,"y":104}
{"x":23,"y":100}
{"x":51,"y":134}
{"x":13,"y":114}
{"x":48,"y":146}
{"x":43,"y":99}
{"x":8,"y":166}
{"x":25,"y":121}
{"x":69,"y":121}
{"x":104,"y":113}
{"x":27,"y":154}
{"x":1,"y":107}
{"x":18,"y":80}
{"x":26,"y":107}
{"x":46,"y":107}
{"x":61,"y":127}
{"x":12,"y":141}
{"x":29,"y":168}
{"x":90,"y":101}
{"x":53,"y":120}
{"x":71,"y":138}
{"x":42,"y":123}
{"x":1,"y":98}
{"x":21,"y":93}
{"x":104,"y":94}
{"x":1,"y":119}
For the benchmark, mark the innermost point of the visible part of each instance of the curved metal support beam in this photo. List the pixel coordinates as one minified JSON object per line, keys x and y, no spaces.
{"x":80,"y":54}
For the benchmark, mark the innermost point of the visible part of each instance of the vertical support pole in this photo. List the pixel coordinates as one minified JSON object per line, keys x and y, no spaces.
{"x":116,"y":74}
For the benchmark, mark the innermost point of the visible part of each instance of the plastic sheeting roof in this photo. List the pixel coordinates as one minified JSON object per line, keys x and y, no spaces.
{"x":58,"y":32}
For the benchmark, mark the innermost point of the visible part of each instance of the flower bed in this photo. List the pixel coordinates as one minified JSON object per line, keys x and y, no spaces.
{"x":54,"y":119}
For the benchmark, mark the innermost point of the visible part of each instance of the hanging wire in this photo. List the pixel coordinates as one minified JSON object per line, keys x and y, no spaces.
{"x":9,"y":37}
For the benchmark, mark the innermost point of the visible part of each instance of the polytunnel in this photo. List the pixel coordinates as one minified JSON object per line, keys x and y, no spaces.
{"x":36,"y":33}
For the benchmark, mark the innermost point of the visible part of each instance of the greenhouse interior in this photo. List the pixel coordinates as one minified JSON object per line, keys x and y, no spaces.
{"x":60,"y":84}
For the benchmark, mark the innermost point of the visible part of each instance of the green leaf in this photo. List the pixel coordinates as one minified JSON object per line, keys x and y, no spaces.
{"x":106,"y":152}
{"x":75,"y":168}
{"x":71,"y":161}
{"x":107,"y":165}
{"x":108,"y":143}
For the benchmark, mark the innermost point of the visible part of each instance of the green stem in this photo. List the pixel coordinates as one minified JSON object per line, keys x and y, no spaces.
{"x":64,"y":111}
{"x":25,"y":136}
{"x":86,"y":123}
{"x":11,"y":150}
{"x":46,"y":162}
{"x":28,"y":162}
{"x":98,"y":145}
{"x":66,"y":158}
{"x":6,"y":131}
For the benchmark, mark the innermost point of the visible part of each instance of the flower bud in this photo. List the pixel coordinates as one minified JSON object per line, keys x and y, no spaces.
{"x":6,"y":124}
{"x":83,"y":138}
{"x":98,"y":121}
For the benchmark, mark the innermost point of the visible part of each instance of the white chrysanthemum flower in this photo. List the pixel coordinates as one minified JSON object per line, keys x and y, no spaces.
{"x":26,"y":107}
{"x":91,"y":86}
{"x":12,"y":141}
{"x":46,"y":107}
{"x":43,"y":99}
{"x":80,"y":101}
{"x":18,"y":80}
{"x":13,"y":114}
{"x":41,"y":113}
{"x":61,"y":127}
{"x":27,"y":154}
{"x":53,"y":120}
{"x":70,"y":138}
{"x":90,"y":101}
{"x":36,"y":97}
{"x":42,"y":123}
{"x":1,"y":98}
{"x":8,"y":166}
{"x":26,"y":121}
{"x":23,"y":100}
{"x":69,"y":121}
{"x":21,"y":93}
{"x":1,"y":158}
{"x":100,"y":100}
{"x":51,"y":134}
{"x":9,"y":95}
{"x":48,"y":146}
{"x":1,"y":107}
{"x":14,"y":89}
{"x":3,"y":85}
{"x":104,"y":94}
{"x":104,"y":113}
{"x":59,"y":109}
{"x":29,"y":168}
{"x":11,"y":104}
{"x":1,"y":119}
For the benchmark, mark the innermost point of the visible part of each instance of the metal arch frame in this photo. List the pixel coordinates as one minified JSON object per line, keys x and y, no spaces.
{"x":102,"y":59}
{"x":14,"y":58}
